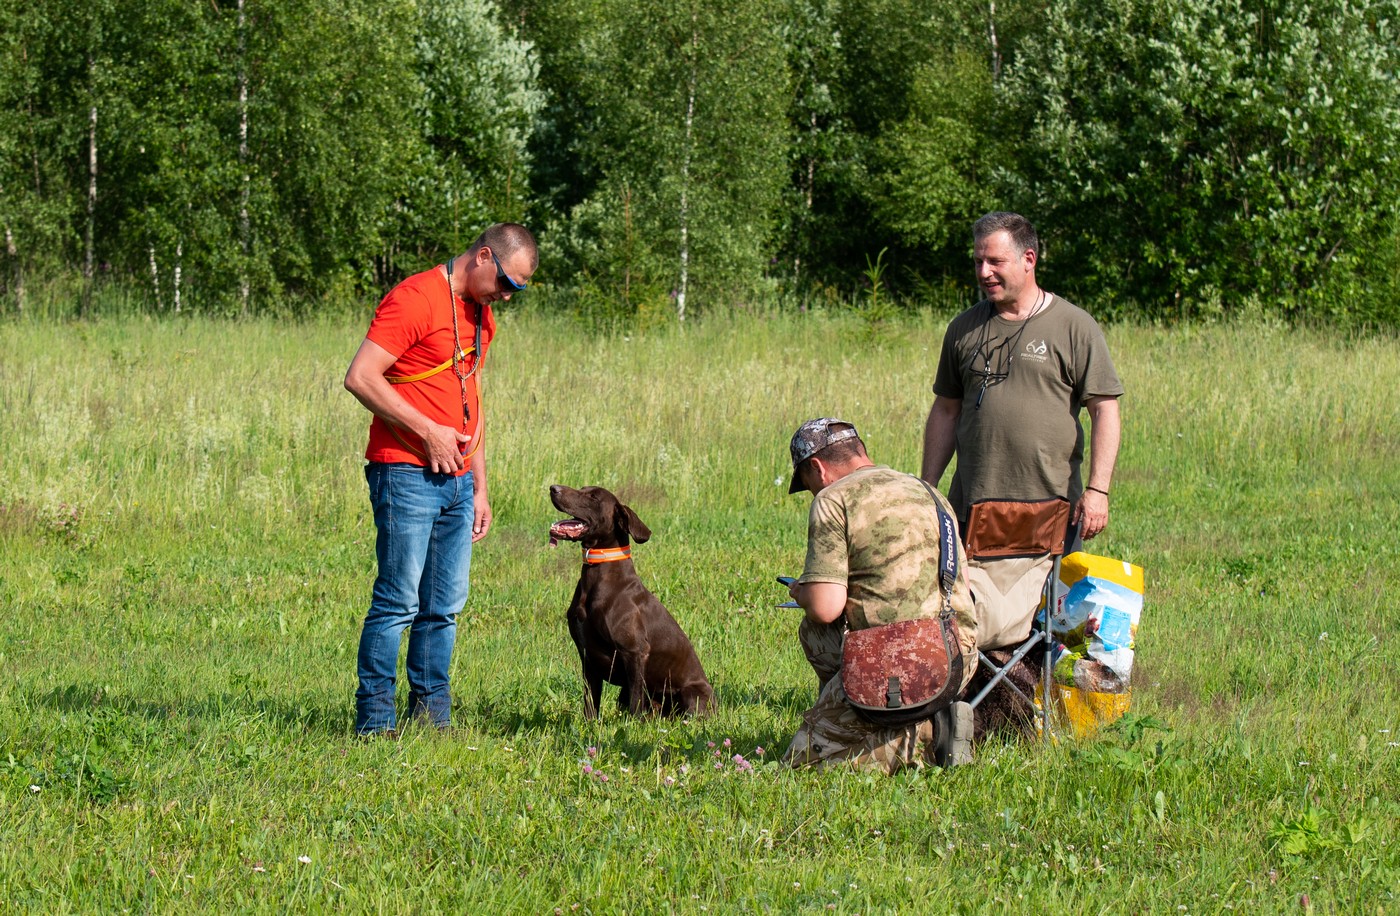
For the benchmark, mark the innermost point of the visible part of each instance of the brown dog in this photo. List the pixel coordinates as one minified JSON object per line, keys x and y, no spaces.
{"x":625,"y":636}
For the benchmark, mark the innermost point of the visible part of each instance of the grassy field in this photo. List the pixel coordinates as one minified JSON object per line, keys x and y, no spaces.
{"x":186,"y":555}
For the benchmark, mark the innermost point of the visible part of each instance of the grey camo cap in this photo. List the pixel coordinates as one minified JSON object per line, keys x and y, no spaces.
{"x":813,"y":436}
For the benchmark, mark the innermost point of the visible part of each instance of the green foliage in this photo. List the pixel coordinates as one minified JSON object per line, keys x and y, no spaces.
{"x":876,"y":307}
{"x":929,"y":172}
{"x":820,"y":136}
{"x":624,"y":283}
{"x":1182,"y":159}
{"x":895,"y":142}
{"x":687,"y":140}
{"x":852,"y":69}
{"x":1198,"y":158}
{"x":1302,"y":835}
{"x":38,"y":205}
{"x":374,"y":133}
{"x":1133,"y":727}
{"x":476,"y":104}
{"x":331,"y":118}
{"x":1316,"y":833}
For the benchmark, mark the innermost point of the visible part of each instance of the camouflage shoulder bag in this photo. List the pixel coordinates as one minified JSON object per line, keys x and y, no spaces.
{"x":897,"y":673}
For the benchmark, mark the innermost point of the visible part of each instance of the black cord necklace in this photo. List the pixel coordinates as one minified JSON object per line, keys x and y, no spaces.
{"x":1002,"y":352}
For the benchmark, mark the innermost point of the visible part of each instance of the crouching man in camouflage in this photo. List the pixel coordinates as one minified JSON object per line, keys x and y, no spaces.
{"x":874,"y":555}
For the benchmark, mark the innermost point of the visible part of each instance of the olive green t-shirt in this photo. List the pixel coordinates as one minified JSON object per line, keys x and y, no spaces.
{"x":876,"y":532}
{"x":1023,"y":440}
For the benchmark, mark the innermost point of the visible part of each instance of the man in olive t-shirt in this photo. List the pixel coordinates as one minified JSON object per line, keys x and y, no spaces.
{"x":1014,"y":372}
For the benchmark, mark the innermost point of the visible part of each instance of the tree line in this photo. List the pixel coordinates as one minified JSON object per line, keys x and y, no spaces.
{"x":1182,"y":158}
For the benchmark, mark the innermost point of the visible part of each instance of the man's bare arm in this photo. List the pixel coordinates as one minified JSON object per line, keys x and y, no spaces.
{"x":1091,"y":513}
{"x":940,"y":437}
{"x":824,"y":602}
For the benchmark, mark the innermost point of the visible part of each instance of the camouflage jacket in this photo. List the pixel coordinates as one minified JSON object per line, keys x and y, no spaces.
{"x":876,"y":532}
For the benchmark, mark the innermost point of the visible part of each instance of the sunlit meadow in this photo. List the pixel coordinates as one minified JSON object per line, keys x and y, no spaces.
{"x":186,"y":555}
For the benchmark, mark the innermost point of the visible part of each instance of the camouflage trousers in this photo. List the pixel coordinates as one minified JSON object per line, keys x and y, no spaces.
{"x":834,"y":734}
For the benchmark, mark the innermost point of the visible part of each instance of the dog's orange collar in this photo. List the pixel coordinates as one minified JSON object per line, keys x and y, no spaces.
{"x":595,"y":555}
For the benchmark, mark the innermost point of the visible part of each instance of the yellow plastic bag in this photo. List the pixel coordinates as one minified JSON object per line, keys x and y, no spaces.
{"x":1097,"y":609}
{"x":1085,"y":711}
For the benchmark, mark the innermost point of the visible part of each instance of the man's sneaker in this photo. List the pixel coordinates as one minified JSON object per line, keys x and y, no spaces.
{"x":380,"y":734}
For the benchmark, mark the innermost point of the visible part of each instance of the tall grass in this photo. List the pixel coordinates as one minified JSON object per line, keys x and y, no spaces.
{"x":186,"y":554}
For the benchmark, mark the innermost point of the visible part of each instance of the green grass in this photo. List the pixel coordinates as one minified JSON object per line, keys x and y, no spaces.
{"x":186,"y":555}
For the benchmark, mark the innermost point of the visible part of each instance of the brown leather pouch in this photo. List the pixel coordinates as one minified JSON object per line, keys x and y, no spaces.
{"x":1012,"y":528}
{"x":898,"y":673}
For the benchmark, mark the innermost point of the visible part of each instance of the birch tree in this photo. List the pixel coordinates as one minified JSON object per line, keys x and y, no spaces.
{"x":245,"y":226}
{"x":169,"y":215}
{"x":823,"y":146}
{"x":891,"y":117}
{"x":690,"y":132}
{"x":41,"y":137}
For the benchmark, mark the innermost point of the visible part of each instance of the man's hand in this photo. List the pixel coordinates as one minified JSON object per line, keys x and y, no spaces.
{"x":444,"y":445}
{"x":1090,"y":513}
{"x":482,"y":521}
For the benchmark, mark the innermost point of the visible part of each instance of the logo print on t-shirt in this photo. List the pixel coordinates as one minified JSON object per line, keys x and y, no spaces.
{"x":1036,"y":350}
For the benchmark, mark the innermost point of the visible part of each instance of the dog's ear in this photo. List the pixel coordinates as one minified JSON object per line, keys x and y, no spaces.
{"x":627,"y":520}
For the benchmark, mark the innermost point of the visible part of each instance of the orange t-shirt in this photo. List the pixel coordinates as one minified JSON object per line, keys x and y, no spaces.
{"x":414,"y":323}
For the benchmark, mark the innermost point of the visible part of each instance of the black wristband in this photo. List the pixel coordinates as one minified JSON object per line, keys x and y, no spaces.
{"x":1097,"y":490}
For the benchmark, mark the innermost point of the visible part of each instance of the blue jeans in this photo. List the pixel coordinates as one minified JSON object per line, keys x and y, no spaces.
{"x":424,"y":550}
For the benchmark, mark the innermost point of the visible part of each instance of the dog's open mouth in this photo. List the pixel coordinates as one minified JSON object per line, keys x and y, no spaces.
{"x":566,"y":529}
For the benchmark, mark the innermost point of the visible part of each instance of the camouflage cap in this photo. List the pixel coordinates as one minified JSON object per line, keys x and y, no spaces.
{"x":813,"y":436}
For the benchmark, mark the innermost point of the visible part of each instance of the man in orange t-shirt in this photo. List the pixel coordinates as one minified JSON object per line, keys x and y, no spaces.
{"x":418,"y":373}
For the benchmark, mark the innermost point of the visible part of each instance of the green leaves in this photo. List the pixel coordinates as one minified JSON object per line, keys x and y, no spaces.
{"x":1195,"y":157}
{"x":685,"y":141}
{"x":1316,"y":832}
{"x":1182,"y":159}
{"x":270,"y":145}
{"x":476,"y":104}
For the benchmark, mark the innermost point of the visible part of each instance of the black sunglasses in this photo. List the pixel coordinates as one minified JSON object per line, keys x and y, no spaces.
{"x":503,"y":279}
